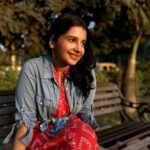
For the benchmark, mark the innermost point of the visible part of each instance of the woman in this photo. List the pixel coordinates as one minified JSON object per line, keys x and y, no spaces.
{"x":55,"y":93}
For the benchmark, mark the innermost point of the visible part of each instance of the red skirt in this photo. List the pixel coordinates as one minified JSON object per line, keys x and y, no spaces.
{"x":76,"y":135}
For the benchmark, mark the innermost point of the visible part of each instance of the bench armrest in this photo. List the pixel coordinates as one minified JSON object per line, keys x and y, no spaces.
{"x":143,"y":109}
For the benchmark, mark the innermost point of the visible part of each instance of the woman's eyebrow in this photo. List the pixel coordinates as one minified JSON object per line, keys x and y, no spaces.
{"x":73,"y":36}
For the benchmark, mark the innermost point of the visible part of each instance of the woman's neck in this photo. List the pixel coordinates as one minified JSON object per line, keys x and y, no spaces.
{"x":59,"y":67}
{"x":60,"y":73}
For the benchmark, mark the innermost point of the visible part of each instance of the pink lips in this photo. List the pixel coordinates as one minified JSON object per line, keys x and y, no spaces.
{"x":74,"y":57}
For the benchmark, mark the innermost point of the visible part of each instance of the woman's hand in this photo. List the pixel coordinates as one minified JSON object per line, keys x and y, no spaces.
{"x":21,"y":132}
{"x":102,"y":148}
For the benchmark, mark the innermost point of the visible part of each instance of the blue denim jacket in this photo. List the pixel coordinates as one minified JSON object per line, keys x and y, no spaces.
{"x":37,"y":97}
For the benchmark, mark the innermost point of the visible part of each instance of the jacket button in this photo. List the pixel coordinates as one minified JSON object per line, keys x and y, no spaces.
{"x":22,"y":110}
{"x":41,"y":103}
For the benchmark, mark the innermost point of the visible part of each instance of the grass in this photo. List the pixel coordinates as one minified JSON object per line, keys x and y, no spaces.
{"x":108,"y":120}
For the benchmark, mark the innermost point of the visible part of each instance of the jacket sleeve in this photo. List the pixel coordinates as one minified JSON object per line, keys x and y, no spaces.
{"x":25,"y":99}
{"x":86,"y":113}
{"x":25,"y":103}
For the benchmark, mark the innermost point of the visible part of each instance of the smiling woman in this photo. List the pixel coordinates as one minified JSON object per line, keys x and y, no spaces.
{"x":55,"y":93}
{"x":69,"y":48}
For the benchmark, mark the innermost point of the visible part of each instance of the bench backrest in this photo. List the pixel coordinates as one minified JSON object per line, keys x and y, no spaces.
{"x":107,"y":99}
{"x":7,"y":111}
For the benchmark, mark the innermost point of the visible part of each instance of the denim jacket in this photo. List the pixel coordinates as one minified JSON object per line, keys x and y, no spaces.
{"x":37,"y":97}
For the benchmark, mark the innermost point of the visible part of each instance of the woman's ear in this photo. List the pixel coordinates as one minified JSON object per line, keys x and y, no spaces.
{"x":52,"y":43}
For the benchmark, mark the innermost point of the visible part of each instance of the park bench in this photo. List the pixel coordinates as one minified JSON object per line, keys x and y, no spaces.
{"x":125,"y":134}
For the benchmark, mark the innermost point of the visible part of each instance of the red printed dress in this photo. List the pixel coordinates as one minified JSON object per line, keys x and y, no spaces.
{"x":76,"y":135}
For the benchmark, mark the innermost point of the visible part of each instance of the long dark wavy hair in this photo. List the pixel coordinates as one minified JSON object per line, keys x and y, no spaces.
{"x":80,"y":73}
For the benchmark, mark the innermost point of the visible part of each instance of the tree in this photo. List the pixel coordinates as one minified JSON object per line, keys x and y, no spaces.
{"x":139,"y":10}
{"x":18,"y":18}
{"x":121,"y":25}
{"x":24,"y":24}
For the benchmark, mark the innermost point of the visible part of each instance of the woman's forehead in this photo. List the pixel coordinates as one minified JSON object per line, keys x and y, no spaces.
{"x":76,"y":31}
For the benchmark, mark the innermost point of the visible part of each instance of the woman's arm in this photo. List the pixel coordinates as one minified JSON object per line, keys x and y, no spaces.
{"x":21,"y":132}
{"x":86,"y":113}
{"x":25,"y":105}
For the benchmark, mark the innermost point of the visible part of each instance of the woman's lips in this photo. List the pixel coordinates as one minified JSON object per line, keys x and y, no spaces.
{"x":74,"y":57}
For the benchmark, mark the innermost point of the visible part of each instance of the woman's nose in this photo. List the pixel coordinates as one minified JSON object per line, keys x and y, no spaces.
{"x":77,"y":48}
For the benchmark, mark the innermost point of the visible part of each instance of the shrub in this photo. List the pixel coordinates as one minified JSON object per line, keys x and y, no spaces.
{"x":8,"y":80}
{"x":109,"y":76}
{"x":143,"y":78}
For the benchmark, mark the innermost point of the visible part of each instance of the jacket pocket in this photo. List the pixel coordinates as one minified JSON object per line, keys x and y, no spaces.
{"x":44,"y":106}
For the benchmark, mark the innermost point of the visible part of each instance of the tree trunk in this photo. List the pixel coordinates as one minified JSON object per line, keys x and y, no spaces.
{"x":128,"y":87}
{"x":13,"y":58}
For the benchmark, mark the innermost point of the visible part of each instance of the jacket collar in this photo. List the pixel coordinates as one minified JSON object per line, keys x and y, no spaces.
{"x":47,"y":67}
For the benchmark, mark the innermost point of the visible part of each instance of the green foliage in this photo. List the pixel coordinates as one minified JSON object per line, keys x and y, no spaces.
{"x":139,"y":82}
{"x":4,"y":58}
{"x":143,"y":79}
{"x":101,"y":77}
{"x":8,"y":80}
{"x":28,"y":19}
{"x":109,"y":76}
{"x":109,"y":119}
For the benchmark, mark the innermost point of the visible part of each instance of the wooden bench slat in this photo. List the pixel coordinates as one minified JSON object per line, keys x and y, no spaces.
{"x":139,"y":145}
{"x":124,"y":143}
{"x":6,"y":120}
{"x":7,"y":93}
{"x":103,"y":111}
{"x":107,"y":102}
{"x":4,"y":132}
{"x":124,"y":135}
{"x":112,"y":136}
{"x":106,"y":87}
{"x":121,"y":130}
{"x":7,"y":110}
{"x":106,"y":96}
{"x":116,"y":128}
{"x":139,"y":136}
{"x":7,"y":99}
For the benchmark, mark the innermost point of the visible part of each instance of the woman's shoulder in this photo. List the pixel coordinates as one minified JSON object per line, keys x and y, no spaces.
{"x":35,"y":60}
{"x":37,"y":63}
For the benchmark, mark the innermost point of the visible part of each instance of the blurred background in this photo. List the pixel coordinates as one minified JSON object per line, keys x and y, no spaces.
{"x":120,"y":39}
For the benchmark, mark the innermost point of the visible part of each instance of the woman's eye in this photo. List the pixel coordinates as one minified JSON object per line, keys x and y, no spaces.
{"x":71,"y":40}
{"x":83,"y":44}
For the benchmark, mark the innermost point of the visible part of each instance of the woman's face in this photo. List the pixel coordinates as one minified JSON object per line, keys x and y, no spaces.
{"x":69,"y":48}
